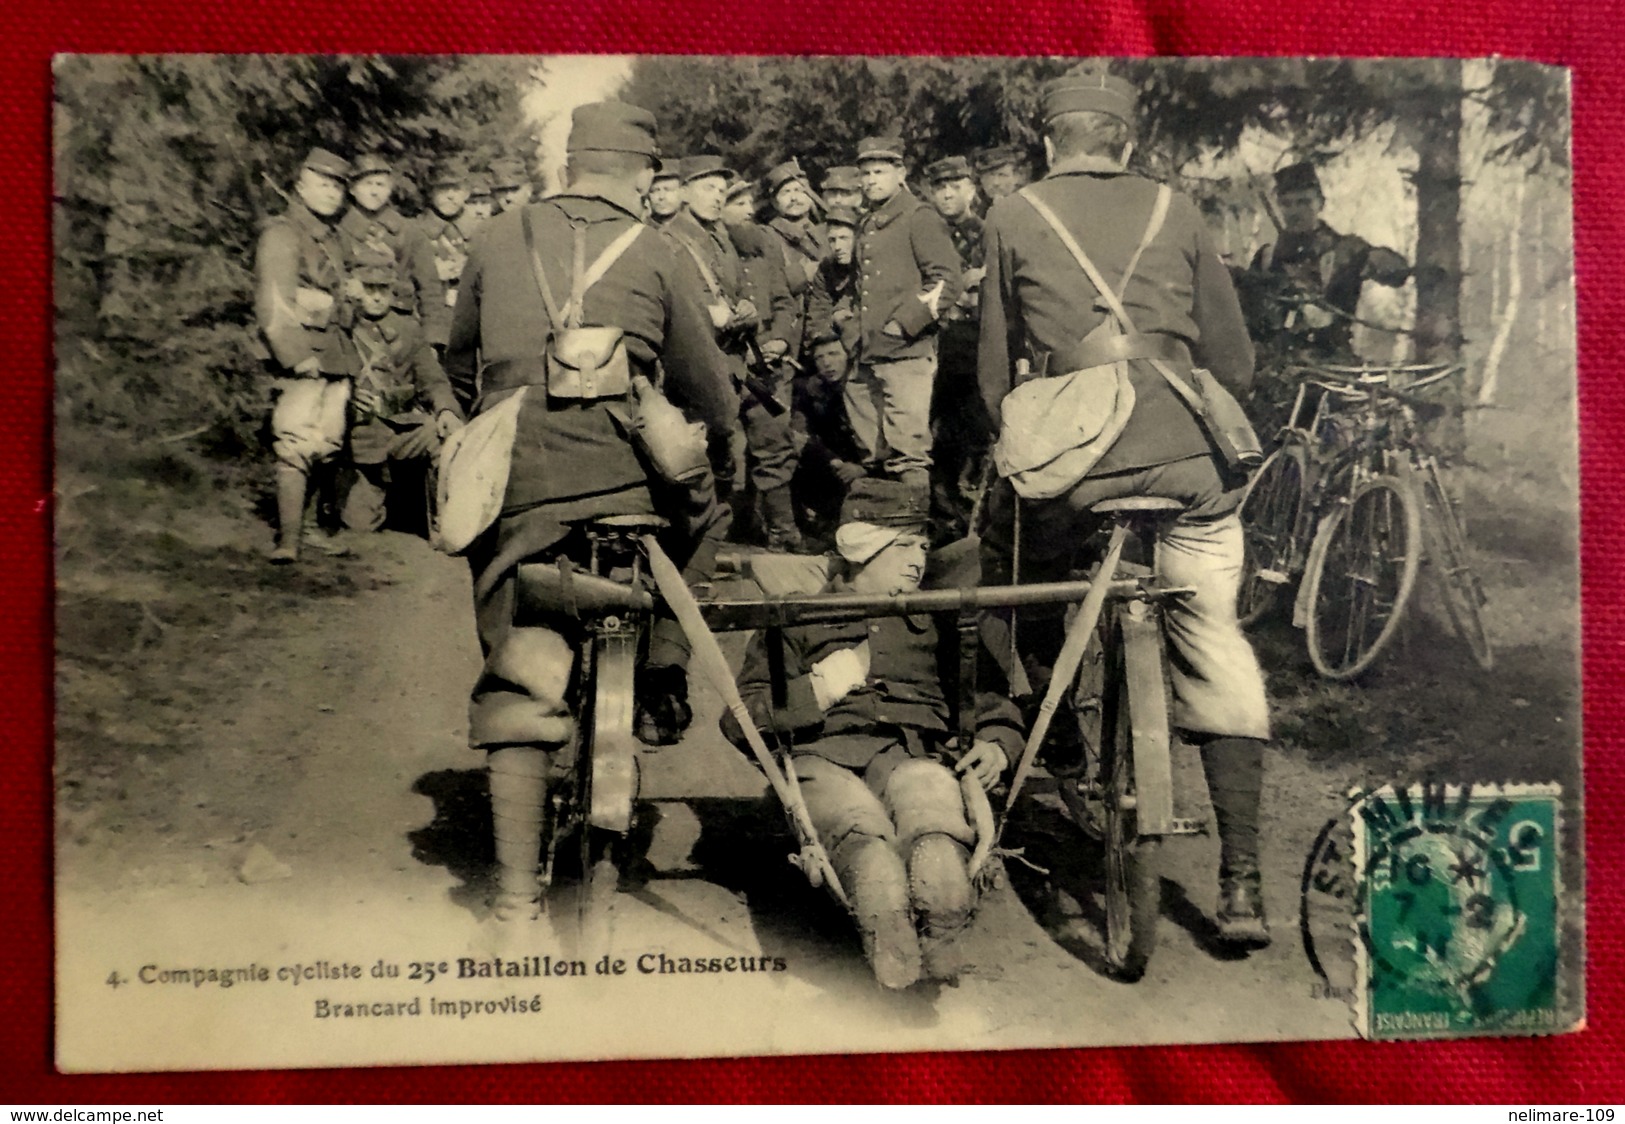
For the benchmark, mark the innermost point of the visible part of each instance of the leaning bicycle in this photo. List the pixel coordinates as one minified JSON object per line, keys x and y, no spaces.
{"x":1348,"y":508}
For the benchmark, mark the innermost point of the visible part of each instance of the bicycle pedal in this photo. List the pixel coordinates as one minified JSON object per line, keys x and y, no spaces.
{"x":1187,"y":827}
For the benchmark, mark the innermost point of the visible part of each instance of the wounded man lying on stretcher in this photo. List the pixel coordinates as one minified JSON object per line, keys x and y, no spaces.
{"x":864,"y":708}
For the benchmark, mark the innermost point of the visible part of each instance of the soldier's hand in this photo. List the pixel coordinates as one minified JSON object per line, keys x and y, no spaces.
{"x":847,"y":472}
{"x":419,"y":442}
{"x":744,"y":312}
{"x":973,"y":277}
{"x":986,"y":762}
{"x":446,"y":423}
{"x":775,"y":349}
{"x":308,"y":368}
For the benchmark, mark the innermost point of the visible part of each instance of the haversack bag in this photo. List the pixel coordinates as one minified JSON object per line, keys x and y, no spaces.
{"x":1228,"y":429}
{"x":582,"y":363}
{"x":472,"y":475}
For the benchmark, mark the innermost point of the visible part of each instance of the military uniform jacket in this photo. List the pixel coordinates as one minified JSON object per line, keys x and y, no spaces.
{"x":820,"y":419}
{"x":299,"y":303}
{"x":903,"y":250}
{"x":573,"y":451}
{"x":1036,"y":299}
{"x":449,"y":243}
{"x":1332,"y":266}
{"x":767,"y":283}
{"x":418,"y":288}
{"x":397,"y":371}
{"x":967,"y":234}
{"x":834,"y":292}
{"x":902,"y":693}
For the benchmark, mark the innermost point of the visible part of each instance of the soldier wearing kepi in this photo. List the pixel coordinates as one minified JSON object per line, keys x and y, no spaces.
{"x":510,"y":183}
{"x":960,"y":430}
{"x":446,"y":226}
{"x":1039,"y":306}
{"x":665,"y":195}
{"x":843,"y":187}
{"x":804,"y":242}
{"x":402,"y":406}
{"x":1310,"y":259}
{"x":300,"y":310}
{"x":1000,"y":172}
{"x":372,"y":223}
{"x":866,"y":717}
{"x":907,"y":274}
{"x":572,"y":458}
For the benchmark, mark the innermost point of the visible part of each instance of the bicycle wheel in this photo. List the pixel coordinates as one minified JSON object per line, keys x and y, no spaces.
{"x":1459,"y":586}
{"x":1361,"y":577}
{"x":1269,"y":521}
{"x":1134,"y":717}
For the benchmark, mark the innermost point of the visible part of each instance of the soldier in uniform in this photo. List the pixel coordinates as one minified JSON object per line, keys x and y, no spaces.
{"x":300,"y":311}
{"x":843,"y":187}
{"x":571,"y":456}
{"x":482,"y":202}
{"x":907,"y":275}
{"x":804,"y":242}
{"x":666,"y":196}
{"x":864,"y":712}
{"x":510,"y":184}
{"x":829,"y":459}
{"x":372,"y":223}
{"x":960,"y":430}
{"x":401,"y":408}
{"x":1310,"y":259}
{"x":1000,"y":171}
{"x":1038,"y":305}
{"x":755,"y":338}
{"x":445,"y":225}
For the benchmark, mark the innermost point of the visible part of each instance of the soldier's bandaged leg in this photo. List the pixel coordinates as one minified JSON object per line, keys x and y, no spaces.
{"x":924,"y":800}
{"x":839,"y":803}
{"x":518,"y":779}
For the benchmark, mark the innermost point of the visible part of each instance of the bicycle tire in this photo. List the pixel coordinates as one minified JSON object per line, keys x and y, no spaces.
{"x":1133,"y":869}
{"x":1362,"y":576}
{"x":1459,"y":586}
{"x":1269,"y":520}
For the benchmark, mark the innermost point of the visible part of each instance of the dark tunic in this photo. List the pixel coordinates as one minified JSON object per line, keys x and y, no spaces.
{"x":903,"y":249}
{"x":1036,"y":299}
{"x":300,"y":256}
{"x":418,"y":288}
{"x":1333,"y":267}
{"x":399,"y":384}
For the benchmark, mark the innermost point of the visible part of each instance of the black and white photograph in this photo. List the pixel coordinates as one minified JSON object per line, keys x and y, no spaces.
{"x":639,"y":556}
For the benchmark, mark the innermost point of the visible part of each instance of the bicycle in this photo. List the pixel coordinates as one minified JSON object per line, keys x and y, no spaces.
{"x":1348,"y":507}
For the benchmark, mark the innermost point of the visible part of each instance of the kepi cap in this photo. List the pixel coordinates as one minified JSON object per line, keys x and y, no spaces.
{"x":784,"y":173}
{"x":843,"y":178}
{"x":613,"y":126}
{"x":370,"y":164}
{"x":740,"y":187}
{"x":478,"y":184}
{"x":1297,"y":177}
{"x":691,"y":168}
{"x":880,"y":148}
{"x":374,"y":267}
{"x":841,"y":216}
{"x":327,"y":163}
{"x":508,"y":171}
{"x":887,"y":503}
{"x":999,"y":156}
{"x":948,"y":168}
{"x":448,"y":172}
{"x":1089,"y":90}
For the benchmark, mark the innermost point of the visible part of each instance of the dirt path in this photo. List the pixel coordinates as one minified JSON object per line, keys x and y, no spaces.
{"x":322,"y":805}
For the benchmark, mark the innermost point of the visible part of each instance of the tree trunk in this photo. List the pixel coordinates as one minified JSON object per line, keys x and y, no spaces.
{"x":1514,"y":293}
{"x":1438,"y":222}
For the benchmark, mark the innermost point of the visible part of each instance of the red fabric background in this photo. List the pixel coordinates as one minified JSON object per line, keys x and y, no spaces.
{"x":1583,"y":1068}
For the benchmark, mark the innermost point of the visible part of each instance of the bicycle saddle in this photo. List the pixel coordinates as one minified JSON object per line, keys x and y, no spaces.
{"x":1128,"y":504}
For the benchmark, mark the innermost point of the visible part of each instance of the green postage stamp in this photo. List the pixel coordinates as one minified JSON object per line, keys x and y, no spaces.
{"x":1457,"y":931}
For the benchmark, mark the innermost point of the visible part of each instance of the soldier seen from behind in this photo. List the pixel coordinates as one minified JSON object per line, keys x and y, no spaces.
{"x":642,"y":318}
{"x":1056,"y":353}
{"x":301,"y":313}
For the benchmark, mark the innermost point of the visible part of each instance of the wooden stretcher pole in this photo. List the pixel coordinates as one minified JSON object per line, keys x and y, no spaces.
{"x":814,"y":861}
{"x":1066,"y":668}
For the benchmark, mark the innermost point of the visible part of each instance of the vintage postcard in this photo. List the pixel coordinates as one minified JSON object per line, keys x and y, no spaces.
{"x":634,"y":556}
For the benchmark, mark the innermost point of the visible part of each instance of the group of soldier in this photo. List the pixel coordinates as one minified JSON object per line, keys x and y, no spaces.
{"x":846,"y":354}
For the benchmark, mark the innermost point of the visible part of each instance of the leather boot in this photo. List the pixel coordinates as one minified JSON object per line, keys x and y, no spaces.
{"x":1240,"y":918}
{"x":290,"y":514}
{"x":663,"y":712}
{"x":778,"y":515}
{"x":877,"y":886}
{"x":518,"y":779}
{"x":321,"y":519}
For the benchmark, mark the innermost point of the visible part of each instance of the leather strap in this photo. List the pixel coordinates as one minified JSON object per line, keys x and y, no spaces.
{"x":582,"y":279}
{"x":1099,"y":351}
{"x":706,"y":275}
{"x":1159,"y":211}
